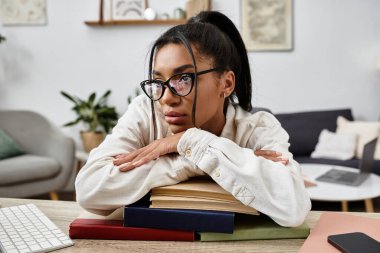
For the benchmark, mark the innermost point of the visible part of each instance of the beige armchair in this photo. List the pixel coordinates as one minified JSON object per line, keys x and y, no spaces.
{"x":48,"y":161}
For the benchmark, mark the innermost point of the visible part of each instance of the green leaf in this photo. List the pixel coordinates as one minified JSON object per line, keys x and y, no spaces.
{"x":103,"y":99}
{"x":2,"y":38}
{"x":91,"y":98}
{"x":68,"y":96}
{"x":106,"y":94}
{"x":72,"y":122}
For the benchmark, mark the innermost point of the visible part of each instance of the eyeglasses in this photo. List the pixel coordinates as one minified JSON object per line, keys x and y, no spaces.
{"x":179,"y":84}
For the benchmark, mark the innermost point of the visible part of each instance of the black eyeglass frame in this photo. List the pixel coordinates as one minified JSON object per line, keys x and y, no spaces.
{"x":166,"y":83}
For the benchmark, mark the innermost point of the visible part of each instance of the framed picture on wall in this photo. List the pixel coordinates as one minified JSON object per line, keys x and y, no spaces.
{"x":128,"y":9}
{"x":21,"y":12}
{"x":267,"y":25}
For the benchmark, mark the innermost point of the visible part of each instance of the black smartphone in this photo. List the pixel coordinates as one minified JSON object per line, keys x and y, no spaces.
{"x":356,"y":242}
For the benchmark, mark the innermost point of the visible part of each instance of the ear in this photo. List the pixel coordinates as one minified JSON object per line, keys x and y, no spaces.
{"x":228,"y":82}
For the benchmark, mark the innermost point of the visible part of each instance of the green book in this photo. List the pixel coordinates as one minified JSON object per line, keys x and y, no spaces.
{"x":251,"y":227}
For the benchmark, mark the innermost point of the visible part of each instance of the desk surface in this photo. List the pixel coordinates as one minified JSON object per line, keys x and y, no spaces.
{"x":337,"y":192}
{"x":63,"y":212}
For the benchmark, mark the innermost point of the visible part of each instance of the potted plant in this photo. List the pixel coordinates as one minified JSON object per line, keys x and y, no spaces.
{"x":2,"y":38}
{"x":98,"y":117}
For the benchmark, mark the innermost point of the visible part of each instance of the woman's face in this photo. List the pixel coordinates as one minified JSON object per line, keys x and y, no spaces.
{"x":175,"y":59}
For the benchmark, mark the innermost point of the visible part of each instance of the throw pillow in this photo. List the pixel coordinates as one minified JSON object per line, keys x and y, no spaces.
{"x":365,"y":130}
{"x":340,"y":146}
{"x":8,"y":147}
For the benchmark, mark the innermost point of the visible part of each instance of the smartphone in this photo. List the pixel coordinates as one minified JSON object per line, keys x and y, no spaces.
{"x":356,"y":242}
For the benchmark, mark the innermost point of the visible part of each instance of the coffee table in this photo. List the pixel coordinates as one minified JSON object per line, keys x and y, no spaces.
{"x":324,"y":191}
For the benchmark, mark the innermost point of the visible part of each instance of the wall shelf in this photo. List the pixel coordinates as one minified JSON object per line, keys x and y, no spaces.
{"x":136,"y":22}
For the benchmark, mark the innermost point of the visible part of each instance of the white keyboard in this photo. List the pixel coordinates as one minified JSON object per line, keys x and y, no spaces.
{"x":25,"y":228}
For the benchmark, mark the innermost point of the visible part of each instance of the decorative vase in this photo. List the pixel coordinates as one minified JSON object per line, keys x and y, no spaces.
{"x":179,"y":13}
{"x":91,"y":139}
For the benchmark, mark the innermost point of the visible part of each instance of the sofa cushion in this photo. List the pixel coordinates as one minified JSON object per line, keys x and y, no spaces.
{"x":8,"y":147}
{"x":340,"y":146}
{"x":366,"y":131}
{"x":27,"y":168}
{"x":304,"y":128}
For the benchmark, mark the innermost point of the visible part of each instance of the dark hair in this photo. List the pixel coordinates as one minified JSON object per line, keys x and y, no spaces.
{"x":212,"y":34}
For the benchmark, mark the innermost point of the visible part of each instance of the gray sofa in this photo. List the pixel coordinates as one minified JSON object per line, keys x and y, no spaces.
{"x":304,"y":129}
{"x":48,"y":161}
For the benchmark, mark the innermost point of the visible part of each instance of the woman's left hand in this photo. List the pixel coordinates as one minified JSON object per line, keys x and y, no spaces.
{"x":148,"y":153}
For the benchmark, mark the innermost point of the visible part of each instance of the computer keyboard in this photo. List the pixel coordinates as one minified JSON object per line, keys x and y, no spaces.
{"x":349,"y":177}
{"x":25,"y":228}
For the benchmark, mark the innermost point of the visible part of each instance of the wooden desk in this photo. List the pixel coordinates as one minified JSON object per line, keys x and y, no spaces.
{"x":63,"y":212}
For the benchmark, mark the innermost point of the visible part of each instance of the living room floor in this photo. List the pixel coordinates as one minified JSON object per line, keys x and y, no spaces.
{"x":354,"y":206}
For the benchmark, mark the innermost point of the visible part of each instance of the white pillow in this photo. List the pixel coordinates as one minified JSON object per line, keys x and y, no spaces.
{"x":365,"y":130}
{"x":340,"y":146}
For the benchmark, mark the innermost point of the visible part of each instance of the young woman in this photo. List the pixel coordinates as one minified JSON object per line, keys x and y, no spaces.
{"x":194,"y":120}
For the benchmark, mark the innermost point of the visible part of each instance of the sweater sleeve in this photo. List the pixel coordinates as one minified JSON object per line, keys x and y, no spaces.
{"x":271,"y":188}
{"x":102,"y":188}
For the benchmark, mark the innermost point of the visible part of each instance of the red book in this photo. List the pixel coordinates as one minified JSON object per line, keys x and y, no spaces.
{"x":114,"y":230}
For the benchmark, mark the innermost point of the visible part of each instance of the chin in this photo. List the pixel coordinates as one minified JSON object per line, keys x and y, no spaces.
{"x":178,"y":128}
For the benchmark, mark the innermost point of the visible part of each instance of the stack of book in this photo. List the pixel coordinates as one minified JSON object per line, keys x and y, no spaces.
{"x":200,"y":193}
{"x":198,"y":209}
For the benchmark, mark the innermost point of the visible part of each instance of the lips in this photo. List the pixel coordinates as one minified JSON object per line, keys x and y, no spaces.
{"x":175,"y":118}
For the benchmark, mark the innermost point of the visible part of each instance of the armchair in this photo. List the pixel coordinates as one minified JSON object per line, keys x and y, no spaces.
{"x":48,"y":161}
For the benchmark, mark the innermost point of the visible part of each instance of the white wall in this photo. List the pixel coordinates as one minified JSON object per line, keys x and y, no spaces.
{"x":333,"y":64}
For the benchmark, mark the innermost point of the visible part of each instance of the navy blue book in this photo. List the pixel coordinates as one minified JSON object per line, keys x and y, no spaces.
{"x":140,"y":215}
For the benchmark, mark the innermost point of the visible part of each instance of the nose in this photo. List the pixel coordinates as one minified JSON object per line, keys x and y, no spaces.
{"x":169,"y":98}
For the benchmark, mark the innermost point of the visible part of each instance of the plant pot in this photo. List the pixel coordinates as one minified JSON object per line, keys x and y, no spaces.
{"x":91,"y":139}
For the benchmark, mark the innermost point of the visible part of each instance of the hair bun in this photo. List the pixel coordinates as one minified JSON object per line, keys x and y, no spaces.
{"x":212,"y":17}
{"x":224,"y":24}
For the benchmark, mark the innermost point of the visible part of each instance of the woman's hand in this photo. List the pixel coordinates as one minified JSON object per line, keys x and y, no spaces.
{"x":148,"y":153}
{"x":272,"y":155}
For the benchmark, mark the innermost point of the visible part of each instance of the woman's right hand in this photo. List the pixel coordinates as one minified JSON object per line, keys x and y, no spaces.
{"x":272,"y":155}
{"x":154,"y":150}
